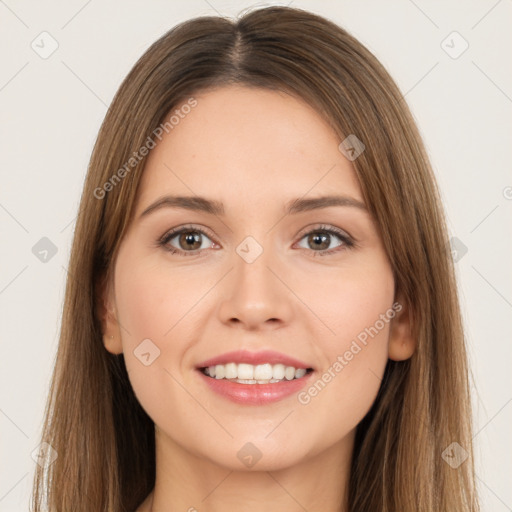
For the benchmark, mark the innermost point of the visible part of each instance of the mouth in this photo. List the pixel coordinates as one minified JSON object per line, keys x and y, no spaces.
{"x":245,"y":373}
{"x":255,"y":378}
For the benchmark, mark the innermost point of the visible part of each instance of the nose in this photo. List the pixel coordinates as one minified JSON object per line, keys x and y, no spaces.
{"x":255,"y":294}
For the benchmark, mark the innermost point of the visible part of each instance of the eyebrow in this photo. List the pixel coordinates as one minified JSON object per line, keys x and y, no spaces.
{"x":213,"y":207}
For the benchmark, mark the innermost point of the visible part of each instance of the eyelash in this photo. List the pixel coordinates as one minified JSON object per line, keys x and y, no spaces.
{"x":348,"y":242}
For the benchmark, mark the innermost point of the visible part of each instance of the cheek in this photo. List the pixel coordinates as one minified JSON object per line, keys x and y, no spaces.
{"x":358,"y":310}
{"x":348,"y":301}
{"x":151,"y":304}
{"x":152,"y":299}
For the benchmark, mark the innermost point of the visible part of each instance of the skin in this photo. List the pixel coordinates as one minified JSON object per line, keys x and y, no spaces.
{"x":254,"y":150}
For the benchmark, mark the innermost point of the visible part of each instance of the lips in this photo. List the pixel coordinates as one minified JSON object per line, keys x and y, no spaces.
{"x":254,"y":358}
{"x":255,"y":394}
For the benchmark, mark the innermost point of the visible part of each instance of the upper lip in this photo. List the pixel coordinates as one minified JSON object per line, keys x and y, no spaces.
{"x":254,"y":358}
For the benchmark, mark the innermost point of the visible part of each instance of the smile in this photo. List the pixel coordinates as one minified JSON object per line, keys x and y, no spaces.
{"x":244,"y":373}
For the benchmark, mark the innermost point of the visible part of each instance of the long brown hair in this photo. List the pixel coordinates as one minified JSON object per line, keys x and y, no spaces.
{"x":103,"y":439}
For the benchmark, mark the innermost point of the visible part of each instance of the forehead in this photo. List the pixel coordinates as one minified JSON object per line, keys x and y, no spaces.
{"x":247,"y":144}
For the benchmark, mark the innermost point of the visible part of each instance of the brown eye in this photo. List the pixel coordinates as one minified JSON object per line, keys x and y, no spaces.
{"x":319,"y":241}
{"x":185,"y":241}
{"x":189,"y":240}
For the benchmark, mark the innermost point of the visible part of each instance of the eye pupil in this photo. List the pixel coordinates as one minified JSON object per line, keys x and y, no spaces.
{"x":191,"y":237}
{"x":315,"y":238}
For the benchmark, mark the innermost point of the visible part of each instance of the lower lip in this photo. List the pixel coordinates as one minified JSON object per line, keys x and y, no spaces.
{"x":256,"y":394}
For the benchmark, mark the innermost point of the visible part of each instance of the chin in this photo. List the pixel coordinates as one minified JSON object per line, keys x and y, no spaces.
{"x":259,"y":454}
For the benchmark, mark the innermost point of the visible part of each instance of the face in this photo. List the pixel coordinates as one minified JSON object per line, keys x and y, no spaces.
{"x":312,"y":284}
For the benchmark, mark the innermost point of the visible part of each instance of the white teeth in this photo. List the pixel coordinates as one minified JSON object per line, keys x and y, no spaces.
{"x":231,"y":371}
{"x":289,"y":373}
{"x":245,"y":371}
{"x":278,"y":371}
{"x":300,"y":372}
{"x":220,"y":371}
{"x":263,"y":372}
{"x":255,"y":374}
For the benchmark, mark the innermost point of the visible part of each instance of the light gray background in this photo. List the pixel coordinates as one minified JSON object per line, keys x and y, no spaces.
{"x":51,"y":110}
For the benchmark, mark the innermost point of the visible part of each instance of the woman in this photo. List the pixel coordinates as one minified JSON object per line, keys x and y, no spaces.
{"x":306,"y":350}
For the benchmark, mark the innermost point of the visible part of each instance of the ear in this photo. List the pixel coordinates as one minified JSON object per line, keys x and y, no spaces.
{"x":107,"y":314}
{"x":401,"y":342}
